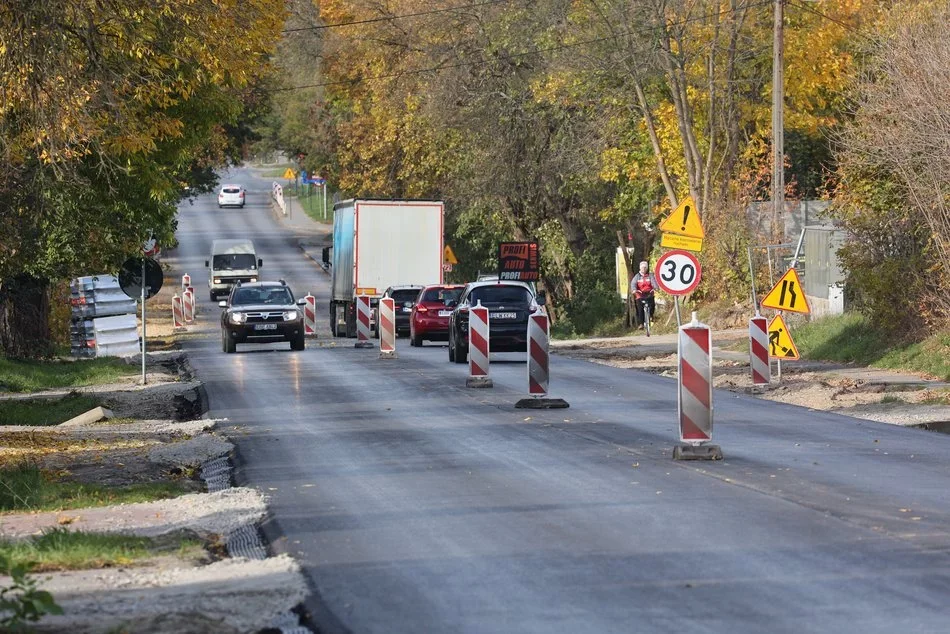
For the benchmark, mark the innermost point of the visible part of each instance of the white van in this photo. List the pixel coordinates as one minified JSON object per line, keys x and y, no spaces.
{"x":232,"y":261}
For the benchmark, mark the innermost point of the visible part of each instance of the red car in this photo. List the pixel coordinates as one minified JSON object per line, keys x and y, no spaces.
{"x":430,"y":316}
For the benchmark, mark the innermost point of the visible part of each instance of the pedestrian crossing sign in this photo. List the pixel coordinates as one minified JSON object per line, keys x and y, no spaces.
{"x":787,"y":294}
{"x":289,"y":173}
{"x":781,"y":345}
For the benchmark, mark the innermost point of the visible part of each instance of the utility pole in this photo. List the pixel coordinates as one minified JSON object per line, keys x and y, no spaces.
{"x":778,"y":117}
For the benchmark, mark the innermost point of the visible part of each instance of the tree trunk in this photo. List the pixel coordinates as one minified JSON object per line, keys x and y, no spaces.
{"x":24,"y":317}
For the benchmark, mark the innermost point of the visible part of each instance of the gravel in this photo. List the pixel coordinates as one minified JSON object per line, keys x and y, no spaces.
{"x":233,"y":595}
{"x":192,"y":452}
{"x":205,"y":513}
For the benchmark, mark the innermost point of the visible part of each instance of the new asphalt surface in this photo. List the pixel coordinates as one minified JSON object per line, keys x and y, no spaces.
{"x":415,"y":504}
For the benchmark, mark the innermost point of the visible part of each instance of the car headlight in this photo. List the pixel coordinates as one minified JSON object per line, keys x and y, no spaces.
{"x":238,"y":318}
{"x":291,"y":315}
{"x":217,"y":280}
{"x":253,"y":279}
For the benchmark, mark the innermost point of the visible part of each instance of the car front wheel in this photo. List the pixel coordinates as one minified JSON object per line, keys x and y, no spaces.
{"x":227,"y":343}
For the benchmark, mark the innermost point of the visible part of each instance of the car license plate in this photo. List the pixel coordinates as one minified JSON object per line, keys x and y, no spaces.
{"x":504,"y":315}
{"x":265,"y":326}
{"x":445,"y":313}
{"x":406,"y":309}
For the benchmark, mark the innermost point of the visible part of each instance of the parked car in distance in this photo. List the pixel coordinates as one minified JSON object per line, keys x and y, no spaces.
{"x":404,"y":296}
{"x":429,"y":319}
{"x":231,"y":195}
{"x":261,"y":312}
{"x":508,"y":304}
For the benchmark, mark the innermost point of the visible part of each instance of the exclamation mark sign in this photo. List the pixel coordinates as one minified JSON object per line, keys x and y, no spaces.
{"x":685,"y":216}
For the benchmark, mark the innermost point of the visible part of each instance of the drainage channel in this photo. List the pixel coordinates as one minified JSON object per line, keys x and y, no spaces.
{"x":245,"y":541}
{"x":939,"y":426}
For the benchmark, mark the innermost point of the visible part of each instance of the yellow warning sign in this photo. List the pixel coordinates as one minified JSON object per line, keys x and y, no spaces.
{"x":673,"y":241}
{"x":289,"y":173}
{"x":448,"y":256}
{"x":684,"y":220}
{"x":781,"y":345}
{"x":787,"y":294}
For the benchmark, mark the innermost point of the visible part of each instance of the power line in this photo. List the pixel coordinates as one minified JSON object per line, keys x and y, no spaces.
{"x":525,"y":54}
{"x":393,"y":17}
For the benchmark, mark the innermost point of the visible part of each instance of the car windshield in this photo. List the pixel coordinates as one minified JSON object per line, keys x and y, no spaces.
{"x":231,"y":190}
{"x":500,"y":295}
{"x":441,"y":294}
{"x":405,"y":295}
{"x":272,"y":296}
{"x":234,"y":262}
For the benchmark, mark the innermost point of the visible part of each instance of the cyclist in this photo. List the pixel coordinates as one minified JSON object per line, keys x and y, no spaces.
{"x":643,"y":287}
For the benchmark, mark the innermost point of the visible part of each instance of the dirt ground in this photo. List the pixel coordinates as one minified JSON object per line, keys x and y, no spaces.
{"x":884,"y":396}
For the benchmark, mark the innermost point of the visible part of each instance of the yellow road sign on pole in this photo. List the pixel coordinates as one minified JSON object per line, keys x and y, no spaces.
{"x":787,"y":294}
{"x":673,"y":241}
{"x":448,"y":256}
{"x":289,"y":173}
{"x":781,"y":345}
{"x":684,"y":221}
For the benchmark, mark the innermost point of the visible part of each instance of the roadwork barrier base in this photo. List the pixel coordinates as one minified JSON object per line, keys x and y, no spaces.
{"x":388,"y":354}
{"x":697,"y":452}
{"x":479,"y":382}
{"x":542,"y":403}
{"x":363,"y":344}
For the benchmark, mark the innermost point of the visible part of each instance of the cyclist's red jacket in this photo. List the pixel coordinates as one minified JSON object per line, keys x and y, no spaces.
{"x":643,"y":285}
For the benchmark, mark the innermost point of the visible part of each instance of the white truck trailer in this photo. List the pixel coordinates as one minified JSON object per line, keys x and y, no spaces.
{"x":378,"y":244}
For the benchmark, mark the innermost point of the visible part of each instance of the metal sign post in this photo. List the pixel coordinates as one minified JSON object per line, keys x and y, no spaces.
{"x":144,"y":380}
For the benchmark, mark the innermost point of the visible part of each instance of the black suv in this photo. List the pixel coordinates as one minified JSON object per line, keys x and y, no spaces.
{"x":261,"y":312}
{"x":508,"y":304}
{"x":404,"y":298}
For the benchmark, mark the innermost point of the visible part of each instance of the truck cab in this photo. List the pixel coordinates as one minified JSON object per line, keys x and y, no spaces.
{"x":232,"y":261}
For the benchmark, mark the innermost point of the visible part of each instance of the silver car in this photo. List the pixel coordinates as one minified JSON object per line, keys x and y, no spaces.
{"x":231,"y":196}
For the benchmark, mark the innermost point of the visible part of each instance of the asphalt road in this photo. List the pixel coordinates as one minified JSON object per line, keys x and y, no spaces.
{"x":417,"y":505}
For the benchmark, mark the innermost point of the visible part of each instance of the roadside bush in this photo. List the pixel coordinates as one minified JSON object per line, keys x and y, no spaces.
{"x":22,"y":602}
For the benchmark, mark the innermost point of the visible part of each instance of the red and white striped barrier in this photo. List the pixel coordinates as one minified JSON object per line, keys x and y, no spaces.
{"x":387,"y":328}
{"x":759,"y":350}
{"x":178,"y":313}
{"x":188,"y":303}
{"x":185,"y":281}
{"x":310,"y":315}
{"x":538,"y":375}
{"x":362,"y":322}
{"x":194,"y":301}
{"x":694,"y":394}
{"x":478,"y":347}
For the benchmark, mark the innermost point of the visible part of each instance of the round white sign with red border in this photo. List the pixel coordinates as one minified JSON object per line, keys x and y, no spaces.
{"x":678,"y":272}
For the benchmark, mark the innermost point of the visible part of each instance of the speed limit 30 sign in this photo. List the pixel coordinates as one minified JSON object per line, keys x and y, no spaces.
{"x":678,"y":272}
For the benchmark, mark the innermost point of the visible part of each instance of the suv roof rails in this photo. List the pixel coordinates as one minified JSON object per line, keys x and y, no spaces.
{"x":282,"y":282}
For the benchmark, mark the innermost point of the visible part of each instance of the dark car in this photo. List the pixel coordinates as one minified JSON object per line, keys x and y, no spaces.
{"x":429,"y":320}
{"x":404,"y":297}
{"x":508,"y":304}
{"x":261,"y":312}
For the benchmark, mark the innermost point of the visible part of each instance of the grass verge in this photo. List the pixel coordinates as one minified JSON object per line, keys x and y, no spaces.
{"x":26,"y":488}
{"x":62,"y":549}
{"x":850,"y":339}
{"x":33,"y":376}
{"x":42,"y":412}
{"x":312,"y":204}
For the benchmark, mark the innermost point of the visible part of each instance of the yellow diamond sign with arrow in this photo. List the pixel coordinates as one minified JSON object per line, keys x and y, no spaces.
{"x":683,"y":229}
{"x":781,"y":345}
{"x":787,"y":294}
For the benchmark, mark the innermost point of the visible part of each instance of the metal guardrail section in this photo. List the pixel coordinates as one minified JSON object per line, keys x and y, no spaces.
{"x":277,"y":191}
{"x":96,"y":301}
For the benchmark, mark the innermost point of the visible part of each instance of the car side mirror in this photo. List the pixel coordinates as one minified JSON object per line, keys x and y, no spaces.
{"x":542,"y":298}
{"x":223,"y":303}
{"x":302,"y":302}
{"x":207,"y":264}
{"x":260,"y":263}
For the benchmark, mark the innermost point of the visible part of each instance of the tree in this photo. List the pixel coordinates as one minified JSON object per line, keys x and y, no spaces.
{"x":109,"y":110}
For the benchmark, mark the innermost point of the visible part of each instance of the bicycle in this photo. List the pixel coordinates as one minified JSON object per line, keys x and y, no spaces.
{"x":645,"y":302}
